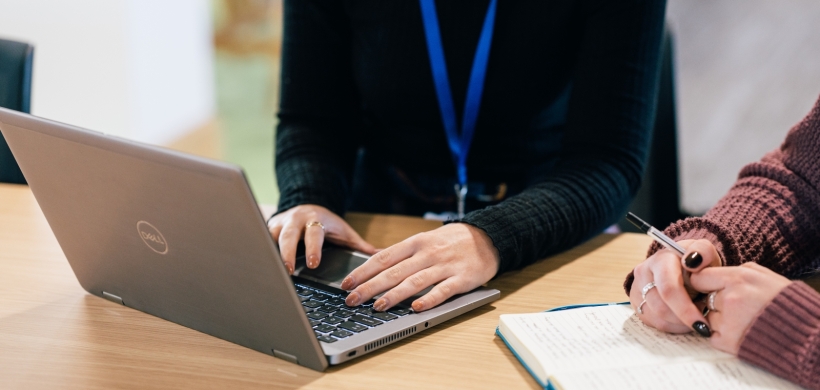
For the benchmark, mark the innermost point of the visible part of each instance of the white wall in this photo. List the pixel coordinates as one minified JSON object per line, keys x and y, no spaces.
{"x":140,"y":69}
{"x":747,"y":70}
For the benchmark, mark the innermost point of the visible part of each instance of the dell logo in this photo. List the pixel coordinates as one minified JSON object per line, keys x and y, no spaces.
{"x":152,"y":237}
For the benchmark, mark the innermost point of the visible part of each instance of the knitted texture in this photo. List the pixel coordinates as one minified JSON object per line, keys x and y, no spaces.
{"x":785,"y":338}
{"x":567,"y":109}
{"x":771,"y":215}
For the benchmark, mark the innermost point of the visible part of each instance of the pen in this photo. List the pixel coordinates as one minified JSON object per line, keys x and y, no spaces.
{"x":668,"y":243}
{"x":656,"y":234}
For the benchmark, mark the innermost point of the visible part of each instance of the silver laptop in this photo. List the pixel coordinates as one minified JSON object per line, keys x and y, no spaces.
{"x":181,"y":238}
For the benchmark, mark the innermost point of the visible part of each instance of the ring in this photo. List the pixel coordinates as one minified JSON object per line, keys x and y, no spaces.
{"x":646,"y":289}
{"x":314,"y":223}
{"x":711,"y":303}
{"x":640,"y":307}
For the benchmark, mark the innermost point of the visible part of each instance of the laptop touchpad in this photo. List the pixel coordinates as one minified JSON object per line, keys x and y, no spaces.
{"x":335,"y":265}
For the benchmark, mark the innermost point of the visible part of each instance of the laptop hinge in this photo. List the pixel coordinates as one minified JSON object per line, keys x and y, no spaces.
{"x":112,"y":298}
{"x":285,"y":356}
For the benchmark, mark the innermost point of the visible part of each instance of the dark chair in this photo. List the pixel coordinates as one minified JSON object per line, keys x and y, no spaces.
{"x":16,"y":59}
{"x":658,"y":199}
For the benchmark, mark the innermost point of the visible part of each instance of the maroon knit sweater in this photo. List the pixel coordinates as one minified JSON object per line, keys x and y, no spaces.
{"x":771,"y":216}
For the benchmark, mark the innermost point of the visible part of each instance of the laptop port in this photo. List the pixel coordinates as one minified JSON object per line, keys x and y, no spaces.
{"x":351,"y":353}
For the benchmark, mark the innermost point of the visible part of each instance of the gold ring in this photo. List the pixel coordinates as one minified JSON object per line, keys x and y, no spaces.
{"x":315,"y":223}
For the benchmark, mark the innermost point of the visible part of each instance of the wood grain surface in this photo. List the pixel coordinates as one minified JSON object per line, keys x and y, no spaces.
{"x":55,"y":335}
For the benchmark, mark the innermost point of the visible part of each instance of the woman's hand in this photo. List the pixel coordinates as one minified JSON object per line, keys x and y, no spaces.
{"x":314,"y":224}
{"x":456,"y":257}
{"x":669,"y":305}
{"x":741,"y":294}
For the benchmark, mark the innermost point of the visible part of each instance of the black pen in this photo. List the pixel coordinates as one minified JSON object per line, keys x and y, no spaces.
{"x":656,"y":234}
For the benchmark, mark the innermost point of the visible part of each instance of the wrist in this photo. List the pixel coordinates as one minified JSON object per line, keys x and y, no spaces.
{"x":484,"y":242}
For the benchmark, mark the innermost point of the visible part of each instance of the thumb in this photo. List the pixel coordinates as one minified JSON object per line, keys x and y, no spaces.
{"x":358,"y":243}
{"x":352,"y":240}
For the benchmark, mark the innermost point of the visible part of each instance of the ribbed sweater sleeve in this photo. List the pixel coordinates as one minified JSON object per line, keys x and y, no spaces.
{"x":601,"y":161}
{"x":785,"y":338}
{"x":771,"y":215}
{"x":318,"y":132}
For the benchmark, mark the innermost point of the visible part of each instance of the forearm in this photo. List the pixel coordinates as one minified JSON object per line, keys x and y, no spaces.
{"x":604,"y":148}
{"x":785,"y":338}
{"x":310,"y":168}
{"x":770,"y":214}
{"x":767,"y":217}
{"x":317,"y":136}
{"x":562,"y":211}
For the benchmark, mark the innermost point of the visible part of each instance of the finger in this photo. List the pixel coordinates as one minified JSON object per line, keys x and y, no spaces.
{"x":385,"y":280}
{"x":349,"y":238}
{"x":314,"y":238}
{"x":669,"y":283}
{"x":712,"y":279}
{"x":408,"y":287}
{"x":378,"y":263}
{"x":358,"y":243}
{"x":388,"y":279}
{"x":715,"y":304}
{"x":699,"y":255}
{"x":720,"y":337}
{"x":275,"y":230}
{"x":657,"y":314}
{"x":643,"y":275}
{"x":440,"y":293}
{"x":288,"y":241}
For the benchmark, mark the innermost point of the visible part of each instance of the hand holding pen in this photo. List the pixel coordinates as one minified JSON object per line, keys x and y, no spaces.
{"x":659,"y":289}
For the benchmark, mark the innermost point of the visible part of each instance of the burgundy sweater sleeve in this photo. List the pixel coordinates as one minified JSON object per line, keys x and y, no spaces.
{"x":771,"y":215}
{"x":785,"y":338}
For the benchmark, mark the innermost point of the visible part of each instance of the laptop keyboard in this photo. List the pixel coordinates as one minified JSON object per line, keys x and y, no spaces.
{"x":332,"y":320}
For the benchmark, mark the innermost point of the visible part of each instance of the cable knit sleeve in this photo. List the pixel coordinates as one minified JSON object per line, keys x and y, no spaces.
{"x":771,"y":215}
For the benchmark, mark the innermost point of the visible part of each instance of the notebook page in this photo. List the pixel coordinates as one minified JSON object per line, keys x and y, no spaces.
{"x":722,"y":374}
{"x":602,"y":337}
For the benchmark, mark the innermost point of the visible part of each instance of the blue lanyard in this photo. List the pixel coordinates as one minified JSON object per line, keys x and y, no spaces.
{"x":459,"y":144}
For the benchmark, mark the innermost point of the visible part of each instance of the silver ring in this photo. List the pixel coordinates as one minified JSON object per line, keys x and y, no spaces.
{"x":640,"y":307}
{"x":314,"y":223}
{"x":646,"y":289}
{"x":711,"y":303}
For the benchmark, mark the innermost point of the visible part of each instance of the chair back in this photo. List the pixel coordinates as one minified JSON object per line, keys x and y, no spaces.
{"x":658,"y":199}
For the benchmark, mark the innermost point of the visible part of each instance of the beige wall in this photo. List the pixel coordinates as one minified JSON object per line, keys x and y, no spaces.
{"x":140,"y":69}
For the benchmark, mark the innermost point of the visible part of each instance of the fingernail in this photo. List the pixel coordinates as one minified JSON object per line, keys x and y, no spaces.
{"x":381,"y":304}
{"x":418,"y":305}
{"x":290,"y":268}
{"x":702,"y":329}
{"x":354,"y":299}
{"x":312,"y":261}
{"x":347,"y":284}
{"x":693,"y":260}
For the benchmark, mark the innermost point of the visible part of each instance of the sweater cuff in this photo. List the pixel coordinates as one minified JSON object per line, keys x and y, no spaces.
{"x":502,"y":237}
{"x":785,"y":338}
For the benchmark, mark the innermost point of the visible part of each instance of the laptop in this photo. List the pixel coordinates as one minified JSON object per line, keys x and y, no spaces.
{"x":181,"y":237}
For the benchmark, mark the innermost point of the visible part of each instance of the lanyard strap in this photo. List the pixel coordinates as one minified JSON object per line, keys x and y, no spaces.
{"x":459,"y":145}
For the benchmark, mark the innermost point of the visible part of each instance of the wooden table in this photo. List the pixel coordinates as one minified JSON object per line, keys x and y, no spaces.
{"x":55,"y":335}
